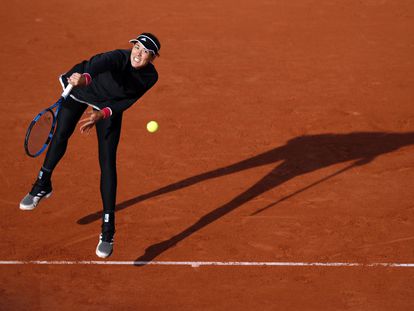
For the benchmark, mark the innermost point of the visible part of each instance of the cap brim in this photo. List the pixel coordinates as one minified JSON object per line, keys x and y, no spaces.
{"x":135,"y":41}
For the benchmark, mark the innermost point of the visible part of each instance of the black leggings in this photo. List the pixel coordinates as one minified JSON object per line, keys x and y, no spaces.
{"x":108,"y":132}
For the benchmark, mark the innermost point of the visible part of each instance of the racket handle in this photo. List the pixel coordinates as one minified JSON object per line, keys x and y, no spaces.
{"x":67,"y":91}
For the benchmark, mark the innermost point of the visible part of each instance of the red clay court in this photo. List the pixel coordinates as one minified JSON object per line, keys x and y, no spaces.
{"x":280,"y":179}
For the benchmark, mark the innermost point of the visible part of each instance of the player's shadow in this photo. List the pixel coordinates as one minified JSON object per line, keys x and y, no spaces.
{"x":298,"y":156}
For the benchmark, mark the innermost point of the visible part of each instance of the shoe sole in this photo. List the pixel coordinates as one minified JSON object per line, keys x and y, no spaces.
{"x":102,"y":255}
{"x":32,"y":207}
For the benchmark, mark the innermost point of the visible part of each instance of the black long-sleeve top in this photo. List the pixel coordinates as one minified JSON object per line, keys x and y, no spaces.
{"x":115,"y":83}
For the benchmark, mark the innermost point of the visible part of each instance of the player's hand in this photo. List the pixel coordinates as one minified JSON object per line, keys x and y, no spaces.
{"x":88,"y":123}
{"x":77,"y":79}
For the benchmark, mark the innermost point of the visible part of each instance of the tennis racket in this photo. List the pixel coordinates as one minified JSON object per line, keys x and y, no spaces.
{"x":41,"y":129}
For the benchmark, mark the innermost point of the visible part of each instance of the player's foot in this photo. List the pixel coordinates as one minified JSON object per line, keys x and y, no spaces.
{"x":105,"y":245}
{"x":38,"y":192}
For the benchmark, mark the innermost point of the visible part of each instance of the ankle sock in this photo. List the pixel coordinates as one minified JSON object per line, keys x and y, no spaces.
{"x":44,"y":175}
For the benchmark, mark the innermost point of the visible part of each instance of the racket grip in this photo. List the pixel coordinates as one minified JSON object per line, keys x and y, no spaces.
{"x":67,"y":90}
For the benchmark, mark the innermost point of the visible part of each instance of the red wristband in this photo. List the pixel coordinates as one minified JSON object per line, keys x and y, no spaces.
{"x":107,"y":112}
{"x":88,"y":78}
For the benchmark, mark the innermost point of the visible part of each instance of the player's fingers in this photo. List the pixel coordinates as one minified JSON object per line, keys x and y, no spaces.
{"x":84,"y":120}
{"x":89,"y":118}
{"x":92,"y":118}
{"x":95,"y":116}
{"x":89,"y":123}
{"x":86,"y":128}
{"x":74,"y":79}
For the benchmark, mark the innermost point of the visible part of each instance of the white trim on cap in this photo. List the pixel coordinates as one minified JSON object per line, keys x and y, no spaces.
{"x":150,"y":39}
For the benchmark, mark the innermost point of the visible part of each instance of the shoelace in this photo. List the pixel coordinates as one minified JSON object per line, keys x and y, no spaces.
{"x":41,"y":194}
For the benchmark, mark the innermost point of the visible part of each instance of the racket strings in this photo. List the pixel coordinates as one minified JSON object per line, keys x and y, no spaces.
{"x":40,"y":133}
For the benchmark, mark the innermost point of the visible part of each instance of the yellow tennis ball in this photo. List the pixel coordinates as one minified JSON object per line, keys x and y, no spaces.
{"x":152,"y":126}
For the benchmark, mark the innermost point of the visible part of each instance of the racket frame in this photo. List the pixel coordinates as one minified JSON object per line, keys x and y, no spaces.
{"x":56,"y":105}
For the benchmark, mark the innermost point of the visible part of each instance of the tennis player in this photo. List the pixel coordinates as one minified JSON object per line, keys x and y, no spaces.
{"x":110,"y":82}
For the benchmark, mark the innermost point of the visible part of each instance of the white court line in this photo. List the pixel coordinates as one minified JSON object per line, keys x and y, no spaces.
{"x":208,"y":263}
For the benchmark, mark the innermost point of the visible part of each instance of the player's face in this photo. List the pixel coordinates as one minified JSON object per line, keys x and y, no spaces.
{"x":140,"y":56}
